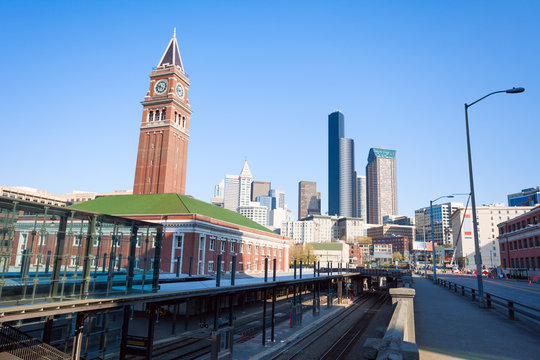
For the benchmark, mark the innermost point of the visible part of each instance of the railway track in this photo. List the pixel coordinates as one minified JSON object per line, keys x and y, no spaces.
{"x":197,"y":344}
{"x":363,"y":310}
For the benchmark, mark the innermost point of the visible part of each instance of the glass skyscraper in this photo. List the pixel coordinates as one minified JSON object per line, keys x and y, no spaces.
{"x":336,"y":130}
{"x":341,"y":174}
{"x":381,"y":181}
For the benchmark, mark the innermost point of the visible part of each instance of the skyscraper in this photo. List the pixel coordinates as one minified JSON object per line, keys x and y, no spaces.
{"x":245,"y":179}
{"x":381,"y":181}
{"x":341,"y":173}
{"x":164,"y":132}
{"x":309,"y":200}
{"x":280,"y":198}
{"x":238,"y":189}
{"x":231,"y":198}
{"x":336,"y":130}
{"x":361,"y":210}
{"x":259,"y":188}
{"x":347,"y":178}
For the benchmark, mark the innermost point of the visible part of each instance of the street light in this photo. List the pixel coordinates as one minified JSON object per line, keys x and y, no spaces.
{"x":477,"y":255}
{"x":433,"y":234}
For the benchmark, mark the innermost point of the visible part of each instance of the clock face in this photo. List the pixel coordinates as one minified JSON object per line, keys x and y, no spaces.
{"x":180,"y":91}
{"x":161,"y":86}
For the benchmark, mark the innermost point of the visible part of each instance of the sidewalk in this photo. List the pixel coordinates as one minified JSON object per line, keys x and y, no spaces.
{"x":449,"y":326}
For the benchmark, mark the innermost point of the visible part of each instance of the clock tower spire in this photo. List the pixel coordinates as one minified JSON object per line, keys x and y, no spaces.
{"x":163,"y":140}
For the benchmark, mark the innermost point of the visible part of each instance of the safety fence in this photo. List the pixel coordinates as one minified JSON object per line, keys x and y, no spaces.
{"x":492,"y":301}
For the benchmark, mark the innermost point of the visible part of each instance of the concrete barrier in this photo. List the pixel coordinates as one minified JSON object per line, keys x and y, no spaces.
{"x":399,"y":341}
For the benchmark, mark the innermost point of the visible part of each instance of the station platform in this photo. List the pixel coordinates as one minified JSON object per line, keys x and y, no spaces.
{"x":449,"y":326}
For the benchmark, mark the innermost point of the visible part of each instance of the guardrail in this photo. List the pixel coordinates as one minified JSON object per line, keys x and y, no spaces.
{"x":492,"y":301}
{"x":399,"y":340}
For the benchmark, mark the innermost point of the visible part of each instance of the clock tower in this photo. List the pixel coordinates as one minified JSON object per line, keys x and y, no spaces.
{"x":163,"y":141}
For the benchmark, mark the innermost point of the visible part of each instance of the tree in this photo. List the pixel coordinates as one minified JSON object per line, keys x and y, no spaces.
{"x":301,"y":252}
{"x":397,"y":256}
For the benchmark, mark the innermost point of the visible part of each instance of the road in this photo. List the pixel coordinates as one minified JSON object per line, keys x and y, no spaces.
{"x":519,"y":291}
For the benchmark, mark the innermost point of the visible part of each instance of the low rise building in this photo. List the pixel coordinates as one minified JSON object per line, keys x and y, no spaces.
{"x":332,"y":254}
{"x":392,"y":230}
{"x":30,"y":194}
{"x":519,"y":241}
{"x":199,"y":231}
{"x":399,"y":244}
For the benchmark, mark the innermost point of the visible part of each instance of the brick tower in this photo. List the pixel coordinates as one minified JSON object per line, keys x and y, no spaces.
{"x":163,"y":141}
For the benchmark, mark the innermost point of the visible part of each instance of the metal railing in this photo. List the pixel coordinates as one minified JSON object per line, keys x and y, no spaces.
{"x":17,"y":343}
{"x":492,"y":301}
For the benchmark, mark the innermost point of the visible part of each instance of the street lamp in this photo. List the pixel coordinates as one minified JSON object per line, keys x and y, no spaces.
{"x":433,"y":234}
{"x":477,"y":255}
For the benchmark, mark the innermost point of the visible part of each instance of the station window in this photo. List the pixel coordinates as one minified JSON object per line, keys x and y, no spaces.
{"x":232,"y":247}
{"x":179,"y":240}
{"x":210,"y":266}
{"x":223,"y":245}
{"x":212,"y":244}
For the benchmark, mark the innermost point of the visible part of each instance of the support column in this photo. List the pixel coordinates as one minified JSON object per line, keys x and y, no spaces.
{"x":77,"y":337}
{"x":88,"y":249}
{"x":125,"y":331}
{"x":151,"y":328}
{"x":132,"y":255}
{"x":264,"y":314}
{"x":339,"y":290}
{"x":273,"y":308}
{"x":157,"y":259}
{"x":58,"y":256}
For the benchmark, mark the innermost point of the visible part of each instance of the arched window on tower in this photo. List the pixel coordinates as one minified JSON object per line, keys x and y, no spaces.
{"x":158,"y":115}
{"x":164,"y":115}
{"x":175,"y":117}
{"x":151,"y":116}
{"x":183,"y":121}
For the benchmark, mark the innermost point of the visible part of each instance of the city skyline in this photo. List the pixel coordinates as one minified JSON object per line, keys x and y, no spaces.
{"x":402,"y":107}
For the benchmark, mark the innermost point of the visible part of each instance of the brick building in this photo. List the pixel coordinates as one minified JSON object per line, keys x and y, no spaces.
{"x":193,"y":228}
{"x":519,"y":241}
{"x":399,"y":244}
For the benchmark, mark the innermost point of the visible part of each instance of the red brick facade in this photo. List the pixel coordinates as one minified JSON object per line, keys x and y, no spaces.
{"x":163,"y":140}
{"x":399,"y":244}
{"x":519,"y":241}
{"x":204,"y":238}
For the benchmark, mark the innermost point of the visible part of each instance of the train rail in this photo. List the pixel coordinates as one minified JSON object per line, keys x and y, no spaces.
{"x":362,"y":310}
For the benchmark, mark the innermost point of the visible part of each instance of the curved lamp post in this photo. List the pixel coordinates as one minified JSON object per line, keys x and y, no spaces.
{"x":477,"y":255}
{"x":433,"y":234}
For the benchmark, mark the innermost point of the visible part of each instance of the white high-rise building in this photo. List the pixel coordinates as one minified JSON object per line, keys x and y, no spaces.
{"x":361,"y":210}
{"x":237,"y":190}
{"x":441,"y":222}
{"x":245,"y":179}
{"x":231,"y":198}
{"x":301,"y":232}
{"x":255,"y":211}
{"x":488,"y":217}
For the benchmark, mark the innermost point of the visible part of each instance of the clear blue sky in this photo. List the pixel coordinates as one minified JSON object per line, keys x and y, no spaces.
{"x":265,"y":75}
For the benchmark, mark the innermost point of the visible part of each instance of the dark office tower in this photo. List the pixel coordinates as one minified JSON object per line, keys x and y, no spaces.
{"x":381,"y":181}
{"x":335,"y":132}
{"x":347,"y":178}
{"x":259,"y":188}
{"x":309,"y":200}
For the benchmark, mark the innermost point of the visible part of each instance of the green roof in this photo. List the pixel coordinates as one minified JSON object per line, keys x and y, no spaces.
{"x":327,"y":246}
{"x":164,"y":204}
